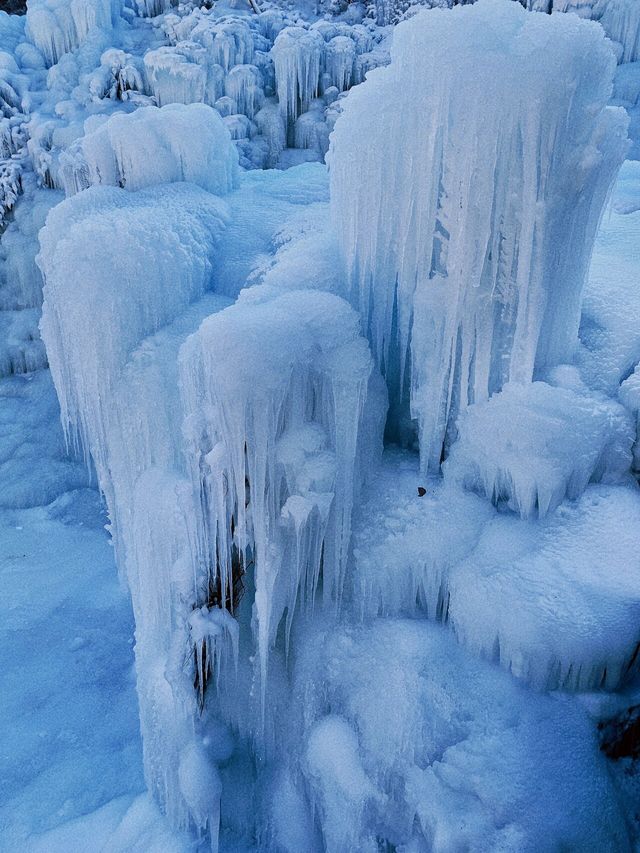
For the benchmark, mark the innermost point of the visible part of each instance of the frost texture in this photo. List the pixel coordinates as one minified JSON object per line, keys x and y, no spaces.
{"x":484,"y":290}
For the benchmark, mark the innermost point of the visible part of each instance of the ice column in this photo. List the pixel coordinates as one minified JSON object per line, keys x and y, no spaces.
{"x":467,"y":217}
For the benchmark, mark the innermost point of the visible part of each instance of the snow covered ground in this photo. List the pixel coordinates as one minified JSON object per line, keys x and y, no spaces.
{"x":309,"y":643}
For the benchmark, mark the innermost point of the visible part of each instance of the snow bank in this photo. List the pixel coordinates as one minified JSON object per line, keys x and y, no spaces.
{"x":533,"y":445}
{"x":467,"y":252}
{"x":153,"y":146}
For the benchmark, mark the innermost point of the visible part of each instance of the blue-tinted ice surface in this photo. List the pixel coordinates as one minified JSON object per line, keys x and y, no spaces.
{"x":331,"y":710}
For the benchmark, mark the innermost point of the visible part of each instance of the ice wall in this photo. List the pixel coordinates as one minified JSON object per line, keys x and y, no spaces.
{"x":467,"y":257}
{"x":154,"y":145}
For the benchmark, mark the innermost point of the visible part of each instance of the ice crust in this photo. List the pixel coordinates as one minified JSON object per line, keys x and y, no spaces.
{"x":484,"y":292}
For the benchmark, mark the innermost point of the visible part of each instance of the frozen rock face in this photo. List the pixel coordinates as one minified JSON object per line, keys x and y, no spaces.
{"x":154,"y":145}
{"x":533,"y":445}
{"x":467,"y":262}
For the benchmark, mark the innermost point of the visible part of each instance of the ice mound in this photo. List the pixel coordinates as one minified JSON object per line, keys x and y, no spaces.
{"x":57,"y":27}
{"x":556,"y":602}
{"x":413,"y":743}
{"x":274,"y":391}
{"x":452,"y":251}
{"x":153,"y":146}
{"x":533,"y":445}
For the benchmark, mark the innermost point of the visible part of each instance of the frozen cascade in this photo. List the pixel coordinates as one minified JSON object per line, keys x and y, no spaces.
{"x":621,"y":22}
{"x":533,"y":445}
{"x":462,"y":296}
{"x":293,"y":373}
{"x":244,"y":85}
{"x":274,"y":393}
{"x":297,"y":55}
{"x":110,"y":376}
{"x":57,"y":27}
{"x":339,"y":57}
{"x":173,"y":77}
{"x":154,"y":145}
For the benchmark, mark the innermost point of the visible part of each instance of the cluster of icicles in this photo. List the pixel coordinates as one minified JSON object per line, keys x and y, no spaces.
{"x":230,"y":440}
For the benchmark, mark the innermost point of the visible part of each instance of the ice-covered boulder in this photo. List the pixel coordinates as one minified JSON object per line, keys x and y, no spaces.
{"x":533,"y":445}
{"x":466,"y":225}
{"x":152,"y":146}
{"x":555,"y":600}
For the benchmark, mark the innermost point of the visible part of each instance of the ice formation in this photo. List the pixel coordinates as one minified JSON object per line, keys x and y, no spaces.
{"x":533,"y":445}
{"x":57,"y":27}
{"x":297,"y":56}
{"x":553,"y":601}
{"x":274,"y":393}
{"x":154,"y":145}
{"x":208,"y":362}
{"x":454,"y":258}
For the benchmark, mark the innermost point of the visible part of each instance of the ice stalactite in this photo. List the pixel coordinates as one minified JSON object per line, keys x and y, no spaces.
{"x":274,"y":392}
{"x":297,"y":56}
{"x":154,"y":145}
{"x":57,"y":27}
{"x":467,"y":259}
